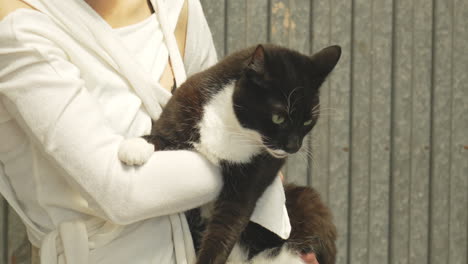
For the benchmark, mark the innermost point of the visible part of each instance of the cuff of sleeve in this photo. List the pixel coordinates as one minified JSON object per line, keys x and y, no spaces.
{"x":270,"y":211}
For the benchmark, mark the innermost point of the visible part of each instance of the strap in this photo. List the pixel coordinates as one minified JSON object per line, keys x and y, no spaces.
{"x":172,"y":45}
{"x":181,"y":28}
{"x":10,"y":6}
{"x":180,"y":33}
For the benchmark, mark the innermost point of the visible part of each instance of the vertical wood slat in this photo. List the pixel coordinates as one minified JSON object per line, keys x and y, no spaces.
{"x":257,"y":14}
{"x":441,"y":129}
{"x":215,"y":14}
{"x":339,"y":97}
{"x":280,"y":15}
{"x":320,"y":169}
{"x":401,"y":130}
{"x":379,"y":205}
{"x":247,"y":24}
{"x":236,"y":33}
{"x":360,"y":137}
{"x":420,"y":131}
{"x":458,"y":244}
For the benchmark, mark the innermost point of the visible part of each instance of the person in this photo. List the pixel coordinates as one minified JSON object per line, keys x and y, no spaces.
{"x":77,"y":77}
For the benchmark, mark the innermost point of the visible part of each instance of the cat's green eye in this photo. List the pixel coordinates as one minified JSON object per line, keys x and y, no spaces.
{"x":308,"y":122}
{"x":277,"y":119}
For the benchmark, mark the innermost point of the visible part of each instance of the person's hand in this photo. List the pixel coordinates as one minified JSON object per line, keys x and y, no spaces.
{"x":309,"y":258}
{"x":280,"y":174}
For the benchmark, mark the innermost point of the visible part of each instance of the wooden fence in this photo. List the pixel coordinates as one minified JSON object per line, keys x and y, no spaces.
{"x":390,"y":152}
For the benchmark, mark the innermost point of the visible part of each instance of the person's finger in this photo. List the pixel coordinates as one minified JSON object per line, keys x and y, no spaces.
{"x":281,"y":176}
{"x":309,"y":258}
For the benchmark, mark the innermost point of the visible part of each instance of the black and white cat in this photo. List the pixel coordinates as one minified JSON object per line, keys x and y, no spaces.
{"x":247,"y":114}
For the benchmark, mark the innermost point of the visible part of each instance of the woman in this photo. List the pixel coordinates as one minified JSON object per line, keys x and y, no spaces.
{"x":76,"y":79}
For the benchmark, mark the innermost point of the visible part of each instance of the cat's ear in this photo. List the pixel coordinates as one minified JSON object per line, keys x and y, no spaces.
{"x":325,"y":60}
{"x":257,"y":60}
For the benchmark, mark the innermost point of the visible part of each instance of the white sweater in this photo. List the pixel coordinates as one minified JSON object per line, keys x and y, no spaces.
{"x":70,"y":92}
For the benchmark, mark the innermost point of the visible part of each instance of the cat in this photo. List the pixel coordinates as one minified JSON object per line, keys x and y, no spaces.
{"x":246,"y":114}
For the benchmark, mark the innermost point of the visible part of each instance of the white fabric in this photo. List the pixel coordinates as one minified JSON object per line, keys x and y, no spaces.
{"x":70,"y":92}
{"x":145,"y":41}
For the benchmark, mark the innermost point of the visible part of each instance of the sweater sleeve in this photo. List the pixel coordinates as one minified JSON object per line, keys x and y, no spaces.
{"x":43,"y":91}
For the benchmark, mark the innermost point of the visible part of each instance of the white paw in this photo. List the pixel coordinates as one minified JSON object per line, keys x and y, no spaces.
{"x":135,"y":151}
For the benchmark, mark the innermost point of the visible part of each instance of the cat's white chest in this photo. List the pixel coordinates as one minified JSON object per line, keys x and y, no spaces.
{"x":221,"y":135}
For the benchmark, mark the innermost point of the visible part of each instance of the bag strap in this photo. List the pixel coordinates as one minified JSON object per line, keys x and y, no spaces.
{"x":181,"y":28}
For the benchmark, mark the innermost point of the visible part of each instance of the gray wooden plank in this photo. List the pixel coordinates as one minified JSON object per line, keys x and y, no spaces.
{"x":401,"y":130}
{"x":236,"y":26}
{"x":380,"y":131}
{"x":280,"y":17}
{"x":3,"y":231}
{"x":214,"y":12}
{"x":458,"y":243}
{"x":360,"y":128}
{"x":257,"y":22}
{"x":320,"y":165}
{"x":441,"y":130}
{"x":19,"y":248}
{"x":298,"y":26}
{"x":340,"y":127}
{"x":382,"y":11}
{"x":420,"y":134}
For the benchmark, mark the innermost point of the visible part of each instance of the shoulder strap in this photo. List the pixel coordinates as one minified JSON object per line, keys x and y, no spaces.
{"x":172,"y":44}
{"x":181,"y":28}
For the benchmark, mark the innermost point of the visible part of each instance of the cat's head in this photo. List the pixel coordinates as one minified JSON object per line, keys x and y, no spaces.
{"x":277,"y":94}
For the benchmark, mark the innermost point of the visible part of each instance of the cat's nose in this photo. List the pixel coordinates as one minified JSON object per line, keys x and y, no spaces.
{"x":293,"y":144}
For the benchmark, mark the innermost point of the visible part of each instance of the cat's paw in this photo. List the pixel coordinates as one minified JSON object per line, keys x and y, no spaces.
{"x":135,"y":151}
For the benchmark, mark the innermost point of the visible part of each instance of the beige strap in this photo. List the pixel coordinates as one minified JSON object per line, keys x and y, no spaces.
{"x":8,"y":6}
{"x":180,"y":32}
{"x":181,"y":28}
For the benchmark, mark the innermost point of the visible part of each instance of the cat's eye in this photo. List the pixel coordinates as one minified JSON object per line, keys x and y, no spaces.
{"x":277,"y":119}
{"x":308,"y":122}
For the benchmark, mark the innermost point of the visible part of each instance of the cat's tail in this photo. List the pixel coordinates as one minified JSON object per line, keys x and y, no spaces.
{"x":312,"y":224}
{"x":283,"y":255}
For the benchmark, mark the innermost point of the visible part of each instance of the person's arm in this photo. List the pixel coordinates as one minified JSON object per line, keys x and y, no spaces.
{"x":43,"y":91}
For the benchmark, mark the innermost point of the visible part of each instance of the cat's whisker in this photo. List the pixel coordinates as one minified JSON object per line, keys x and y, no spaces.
{"x":294,"y":103}
{"x":315,"y":145}
{"x":303,"y":156}
{"x":325,"y":110}
{"x":285,"y":98}
{"x":315,"y":163}
{"x":330,"y":116}
{"x":289,"y":107}
{"x":316,"y":107}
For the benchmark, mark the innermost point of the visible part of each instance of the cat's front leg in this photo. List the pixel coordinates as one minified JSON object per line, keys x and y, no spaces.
{"x":135,"y":151}
{"x":243,"y":185}
{"x":230,"y":217}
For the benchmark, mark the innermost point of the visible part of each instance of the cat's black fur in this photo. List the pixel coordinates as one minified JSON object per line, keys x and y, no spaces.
{"x":268,"y":80}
